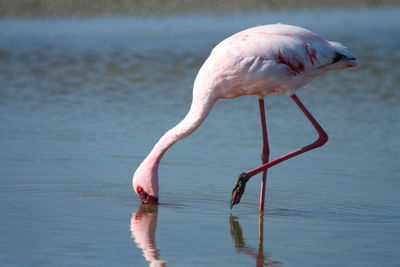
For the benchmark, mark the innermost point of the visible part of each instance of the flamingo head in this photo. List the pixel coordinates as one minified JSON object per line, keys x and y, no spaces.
{"x":145,"y":197}
{"x":145,"y":183}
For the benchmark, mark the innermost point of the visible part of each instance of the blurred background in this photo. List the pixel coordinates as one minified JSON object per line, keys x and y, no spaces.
{"x":88,"y":87}
{"x":10,"y":8}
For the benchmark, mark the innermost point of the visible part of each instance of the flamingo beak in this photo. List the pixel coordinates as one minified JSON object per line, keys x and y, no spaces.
{"x":238,"y":190}
{"x":145,"y":197}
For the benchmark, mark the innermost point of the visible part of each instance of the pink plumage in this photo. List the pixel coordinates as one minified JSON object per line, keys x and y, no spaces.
{"x":269,"y":59}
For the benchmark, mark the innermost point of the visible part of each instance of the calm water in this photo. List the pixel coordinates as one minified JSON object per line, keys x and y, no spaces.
{"x":82,"y":101}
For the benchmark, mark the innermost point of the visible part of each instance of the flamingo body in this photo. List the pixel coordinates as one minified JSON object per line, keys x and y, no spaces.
{"x":269,"y":59}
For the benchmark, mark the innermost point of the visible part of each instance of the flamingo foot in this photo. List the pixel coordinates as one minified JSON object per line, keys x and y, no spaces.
{"x":238,"y":191}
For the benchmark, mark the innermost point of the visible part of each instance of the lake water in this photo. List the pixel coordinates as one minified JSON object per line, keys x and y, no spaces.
{"x":82,"y":101}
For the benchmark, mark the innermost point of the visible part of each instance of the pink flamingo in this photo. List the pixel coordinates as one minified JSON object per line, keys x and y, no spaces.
{"x":270,"y":59}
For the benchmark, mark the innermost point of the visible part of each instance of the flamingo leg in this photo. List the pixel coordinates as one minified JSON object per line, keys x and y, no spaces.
{"x":265,"y":152}
{"x":322,"y":139}
{"x":244,"y":177}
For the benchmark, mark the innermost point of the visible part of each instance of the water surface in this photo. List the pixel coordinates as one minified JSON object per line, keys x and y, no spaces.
{"x":82,"y":101}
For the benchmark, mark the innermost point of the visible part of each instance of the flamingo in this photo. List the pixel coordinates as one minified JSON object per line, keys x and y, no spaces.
{"x":263,"y":60}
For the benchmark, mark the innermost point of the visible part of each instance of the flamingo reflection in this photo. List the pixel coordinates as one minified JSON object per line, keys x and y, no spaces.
{"x":143,"y":229}
{"x":240,"y":243}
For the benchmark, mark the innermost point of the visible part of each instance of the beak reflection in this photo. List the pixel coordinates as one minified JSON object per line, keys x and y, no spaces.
{"x":143,"y":230}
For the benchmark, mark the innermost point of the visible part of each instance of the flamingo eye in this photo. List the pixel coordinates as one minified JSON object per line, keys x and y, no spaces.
{"x":139,"y":189}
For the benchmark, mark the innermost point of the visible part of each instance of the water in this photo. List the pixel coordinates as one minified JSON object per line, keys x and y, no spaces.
{"x":83,"y":100}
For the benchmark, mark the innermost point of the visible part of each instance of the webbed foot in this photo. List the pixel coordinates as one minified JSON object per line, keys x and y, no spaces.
{"x":238,"y":191}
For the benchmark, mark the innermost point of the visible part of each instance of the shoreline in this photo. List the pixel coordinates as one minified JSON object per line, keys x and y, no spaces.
{"x":90,"y":8}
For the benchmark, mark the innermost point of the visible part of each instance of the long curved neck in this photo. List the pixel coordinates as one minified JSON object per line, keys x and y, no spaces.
{"x":145,"y":178}
{"x":198,"y":112}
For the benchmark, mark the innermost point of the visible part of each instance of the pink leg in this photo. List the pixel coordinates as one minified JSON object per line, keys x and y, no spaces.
{"x":265,"y":152}
{"x":244,"y":177}
{"x":322,"y":139}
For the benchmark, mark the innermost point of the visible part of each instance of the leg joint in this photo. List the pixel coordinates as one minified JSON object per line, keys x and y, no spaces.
{"x":322,"y":139}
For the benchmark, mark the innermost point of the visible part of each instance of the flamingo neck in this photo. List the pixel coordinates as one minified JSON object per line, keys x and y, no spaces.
{"x":146,"y":176}
{"x":198,"y":112}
